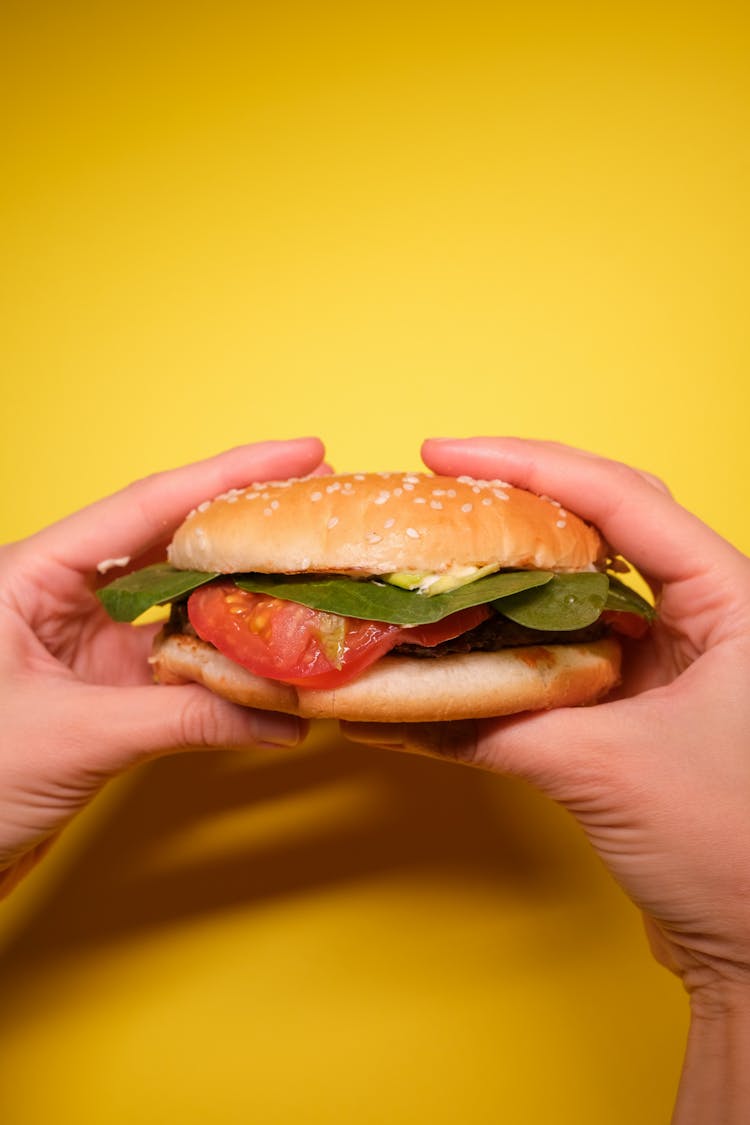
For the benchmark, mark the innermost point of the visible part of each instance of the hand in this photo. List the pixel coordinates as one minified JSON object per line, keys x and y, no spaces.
{"x":76,"y":696}
{"x":659,"y":776}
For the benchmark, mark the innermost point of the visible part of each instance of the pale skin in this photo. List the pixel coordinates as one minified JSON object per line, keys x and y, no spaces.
{"x":76,"y":691}
{"x":658,"y":777}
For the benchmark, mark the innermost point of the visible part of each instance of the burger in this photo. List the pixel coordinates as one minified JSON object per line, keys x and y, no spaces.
{"x":387,"y":597}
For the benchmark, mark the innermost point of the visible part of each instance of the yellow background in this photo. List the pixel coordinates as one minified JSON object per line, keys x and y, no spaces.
{"x":231,"y":221}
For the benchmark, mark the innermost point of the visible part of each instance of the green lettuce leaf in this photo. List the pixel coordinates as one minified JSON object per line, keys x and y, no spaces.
{"x":625,"y":600}
{"x":569,"y":601}
{"x":131,"y":595}
{"x":376,"y":601}
{"x":536,"y":599}
{"x":573,"y":601}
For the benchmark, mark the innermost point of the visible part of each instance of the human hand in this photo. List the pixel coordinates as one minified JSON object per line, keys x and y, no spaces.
{"x":659,"y":775}
{"x":77,"y":700}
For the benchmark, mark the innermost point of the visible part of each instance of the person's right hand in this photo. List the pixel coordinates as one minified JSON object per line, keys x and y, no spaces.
{"x":659,"y":775}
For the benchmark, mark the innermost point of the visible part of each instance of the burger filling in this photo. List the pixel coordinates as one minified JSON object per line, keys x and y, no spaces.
{"x":283,"y":640}
{"x":319,"y":631}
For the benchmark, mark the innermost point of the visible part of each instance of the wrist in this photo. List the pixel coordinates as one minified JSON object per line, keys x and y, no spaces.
{"x":715,"y":1083}
{"x":718,"y":997}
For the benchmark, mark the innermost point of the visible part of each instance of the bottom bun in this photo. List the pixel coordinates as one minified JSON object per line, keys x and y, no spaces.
{"x":402,"y":689}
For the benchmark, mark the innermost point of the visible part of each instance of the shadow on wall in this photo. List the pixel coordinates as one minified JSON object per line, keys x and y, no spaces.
{"x":206,"y":832}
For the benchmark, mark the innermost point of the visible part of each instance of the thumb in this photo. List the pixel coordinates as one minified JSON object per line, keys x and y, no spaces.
{"x":125,"y":726}
{"x":561,"y":752}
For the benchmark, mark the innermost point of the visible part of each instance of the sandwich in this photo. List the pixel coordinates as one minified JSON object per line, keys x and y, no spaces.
{"x":388,"y":597}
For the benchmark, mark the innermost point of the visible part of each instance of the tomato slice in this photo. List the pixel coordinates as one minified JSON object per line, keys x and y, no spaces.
{"x":282,"y":640}
{"x":628,"y":624}
{"x":452,"y":626}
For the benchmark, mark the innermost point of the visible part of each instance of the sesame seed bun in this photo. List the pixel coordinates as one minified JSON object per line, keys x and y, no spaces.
{"x":402,"y":689}
{"x":365,"y":524}
{"x":377,"y":523}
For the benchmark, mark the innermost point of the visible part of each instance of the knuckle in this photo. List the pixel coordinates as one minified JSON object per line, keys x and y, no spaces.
{"x":656,"y":482}
{"x":200,"y":720}
{"x":456,"y":740}
{"x":142,"y":492}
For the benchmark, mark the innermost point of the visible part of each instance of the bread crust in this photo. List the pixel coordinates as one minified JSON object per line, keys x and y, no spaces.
{"x":400,"y":689}
{"x":377,"y":523}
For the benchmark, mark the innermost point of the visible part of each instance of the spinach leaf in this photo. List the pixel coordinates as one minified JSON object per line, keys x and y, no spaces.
{"x":377,"y":601}
{"x":622,"y":598}
{"x":569,"y":601}
{"x":537,"y":599}
{"x":131,"y":595}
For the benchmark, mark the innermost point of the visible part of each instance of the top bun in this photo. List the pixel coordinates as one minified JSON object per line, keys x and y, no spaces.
{"x":376,"y":523}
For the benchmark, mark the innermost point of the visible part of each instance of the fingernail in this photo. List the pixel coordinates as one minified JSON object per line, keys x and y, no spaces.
{"x":273,"y":730}
{"x":372,"y":734}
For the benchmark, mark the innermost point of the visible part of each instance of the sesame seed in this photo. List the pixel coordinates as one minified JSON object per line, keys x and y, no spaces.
{"x":476,"y":488}
{"x":419,"y":500}
{"x":397,"y":491}
{"x":316,"y":495}
{"x":332,"y":522}
{"x":412,"y":479}
{"x":436,"y":504}
{"x":412,"y":533}
{"x":274,"y":504}
{"x":438,"y":492}
{"x":382,"y":498}
{"x":561,"y":523}
{"x":389,"y":523}
{"x":486,"y":501}
{"x":333,"y":487}
{"x":251,"y":495}
{"x":268,"y":511}
{"x":466,"y":507}
{"x":373,"y":538}
{"x":206,"y":504}
{"x":451,"y":492}
{"x":408,"y":487}
{"x":499,"y":494}
{"x":359,"y":476}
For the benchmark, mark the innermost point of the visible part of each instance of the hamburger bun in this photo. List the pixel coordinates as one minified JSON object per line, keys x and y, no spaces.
{"x":402,"y":689}
{"x":376,"y":523}
{"x":371,"y":524}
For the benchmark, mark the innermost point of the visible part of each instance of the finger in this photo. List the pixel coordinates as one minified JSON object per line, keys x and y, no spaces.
{"x":145,"y":513}
{"x":562,"y":752}
{"x":157,"y":552}
{"x":124,"y":726}
{"x":453,"y":740}
{"x":638,"y":519}
{"x":655,"y":482}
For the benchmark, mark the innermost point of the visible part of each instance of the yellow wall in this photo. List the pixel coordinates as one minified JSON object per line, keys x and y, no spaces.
{"x":231,"y":221}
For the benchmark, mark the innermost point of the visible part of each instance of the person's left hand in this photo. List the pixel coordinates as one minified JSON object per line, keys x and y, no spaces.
{"x":78,"y":704}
